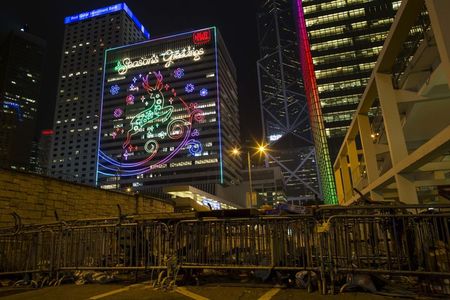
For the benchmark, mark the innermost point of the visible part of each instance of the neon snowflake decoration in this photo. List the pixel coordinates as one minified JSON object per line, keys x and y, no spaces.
{"x":178,"y":73}
{"x":189,"y":88}
{"x":203,"y":92}
{"x":118,"y":112}
{"x":114,"y":90}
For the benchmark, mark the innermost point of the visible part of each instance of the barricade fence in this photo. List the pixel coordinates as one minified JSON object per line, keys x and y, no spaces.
{"x":395,"y":241}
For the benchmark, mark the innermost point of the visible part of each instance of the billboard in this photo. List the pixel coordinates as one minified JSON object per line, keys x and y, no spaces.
{"x":160,"y":107}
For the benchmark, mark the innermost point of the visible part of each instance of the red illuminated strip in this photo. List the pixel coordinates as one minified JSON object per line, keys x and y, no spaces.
{"x":47,"y":132}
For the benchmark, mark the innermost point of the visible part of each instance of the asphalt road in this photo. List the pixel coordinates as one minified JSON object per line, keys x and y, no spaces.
{"x":144,"y":291}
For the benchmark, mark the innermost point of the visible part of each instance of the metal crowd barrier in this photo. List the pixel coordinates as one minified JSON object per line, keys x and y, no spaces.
{"x":113,"y":246}
{"x":396,"y":241}
{"x":100,"y":246}
{"x":246,"y":243}
{"x":31,"y":251}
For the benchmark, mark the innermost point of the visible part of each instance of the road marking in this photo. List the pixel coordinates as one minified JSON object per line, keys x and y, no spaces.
{"x":113,"y":292}
{"x":268,"y":295}
{"x":184,"y":291}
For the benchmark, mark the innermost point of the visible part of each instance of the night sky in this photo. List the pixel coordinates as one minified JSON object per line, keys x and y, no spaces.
{"x":235,"y":19}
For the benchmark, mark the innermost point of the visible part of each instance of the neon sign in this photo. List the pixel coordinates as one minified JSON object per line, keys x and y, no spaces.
{"x":107,"y":10}
{"x":156,"y":120}
{"x":201,"y":37}
{"x":168,"y":56}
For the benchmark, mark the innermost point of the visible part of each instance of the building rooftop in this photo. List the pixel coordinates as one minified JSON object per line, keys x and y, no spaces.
{"x":107,"y":10}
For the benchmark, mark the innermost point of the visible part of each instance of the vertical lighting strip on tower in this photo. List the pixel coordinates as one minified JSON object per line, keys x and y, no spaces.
{"x":315,"y":111}
{"x":216,"y":53}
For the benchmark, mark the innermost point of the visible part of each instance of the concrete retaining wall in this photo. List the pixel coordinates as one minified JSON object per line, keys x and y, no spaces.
{"x":35,"y":198}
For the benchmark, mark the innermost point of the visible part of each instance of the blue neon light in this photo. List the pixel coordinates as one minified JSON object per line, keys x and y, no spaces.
{"x":11,"y":104}
{"x":16,"y":106}
{"x":189,"y":88}
{"x":107,"y":10}
{"x":114,"y":90}
{"x":100,"y":124}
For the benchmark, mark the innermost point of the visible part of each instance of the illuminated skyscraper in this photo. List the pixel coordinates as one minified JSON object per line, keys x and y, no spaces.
{"x":169,"y":115}
{"x":76,"y":122}
{"x":284,"y":106}
{"x":338,"y":44}
{"x":21,"y":66}
{"x":345,"y":37}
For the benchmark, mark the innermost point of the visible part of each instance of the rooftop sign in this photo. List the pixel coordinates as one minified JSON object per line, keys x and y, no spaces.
{"x":106,"y":10}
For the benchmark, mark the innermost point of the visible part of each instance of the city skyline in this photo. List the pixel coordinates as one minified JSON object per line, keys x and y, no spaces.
{"x":104,"y":38}
{"x":239,"y":36}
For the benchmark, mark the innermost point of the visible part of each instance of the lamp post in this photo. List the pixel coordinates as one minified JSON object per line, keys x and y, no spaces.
{"x":262,"y":150}
{"x":250,"y":178}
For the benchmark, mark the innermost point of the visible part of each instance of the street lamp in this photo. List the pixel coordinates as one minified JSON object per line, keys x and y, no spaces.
{"x":261,"y":149}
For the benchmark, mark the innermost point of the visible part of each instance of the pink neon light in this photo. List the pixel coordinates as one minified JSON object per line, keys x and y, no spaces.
{"x":47,"y":132}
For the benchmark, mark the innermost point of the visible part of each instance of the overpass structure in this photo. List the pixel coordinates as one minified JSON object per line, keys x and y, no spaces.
{"x":398,"y":144}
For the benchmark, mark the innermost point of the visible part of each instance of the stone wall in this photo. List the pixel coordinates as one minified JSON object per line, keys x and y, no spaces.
{"x":36,"y":198}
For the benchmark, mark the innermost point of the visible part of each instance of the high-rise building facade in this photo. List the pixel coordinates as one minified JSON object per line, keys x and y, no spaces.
{"x":284,"y":107}
{"x":345,"y":38}
{"x":41,"y":151}
{"x":21,"y":66}
{"x":169,"y":115}
{"x":76,"y":122}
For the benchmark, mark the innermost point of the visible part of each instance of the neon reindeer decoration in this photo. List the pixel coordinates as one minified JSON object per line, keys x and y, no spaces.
{"x":156,"y":113}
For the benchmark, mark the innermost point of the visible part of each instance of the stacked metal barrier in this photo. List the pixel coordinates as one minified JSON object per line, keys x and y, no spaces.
{"x":88,"y":245}
{"x":331,"y":242}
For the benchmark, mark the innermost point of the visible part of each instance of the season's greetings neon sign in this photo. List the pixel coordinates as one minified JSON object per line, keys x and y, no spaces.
{"x":168,"y":56}
{"x":151,"y":124}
